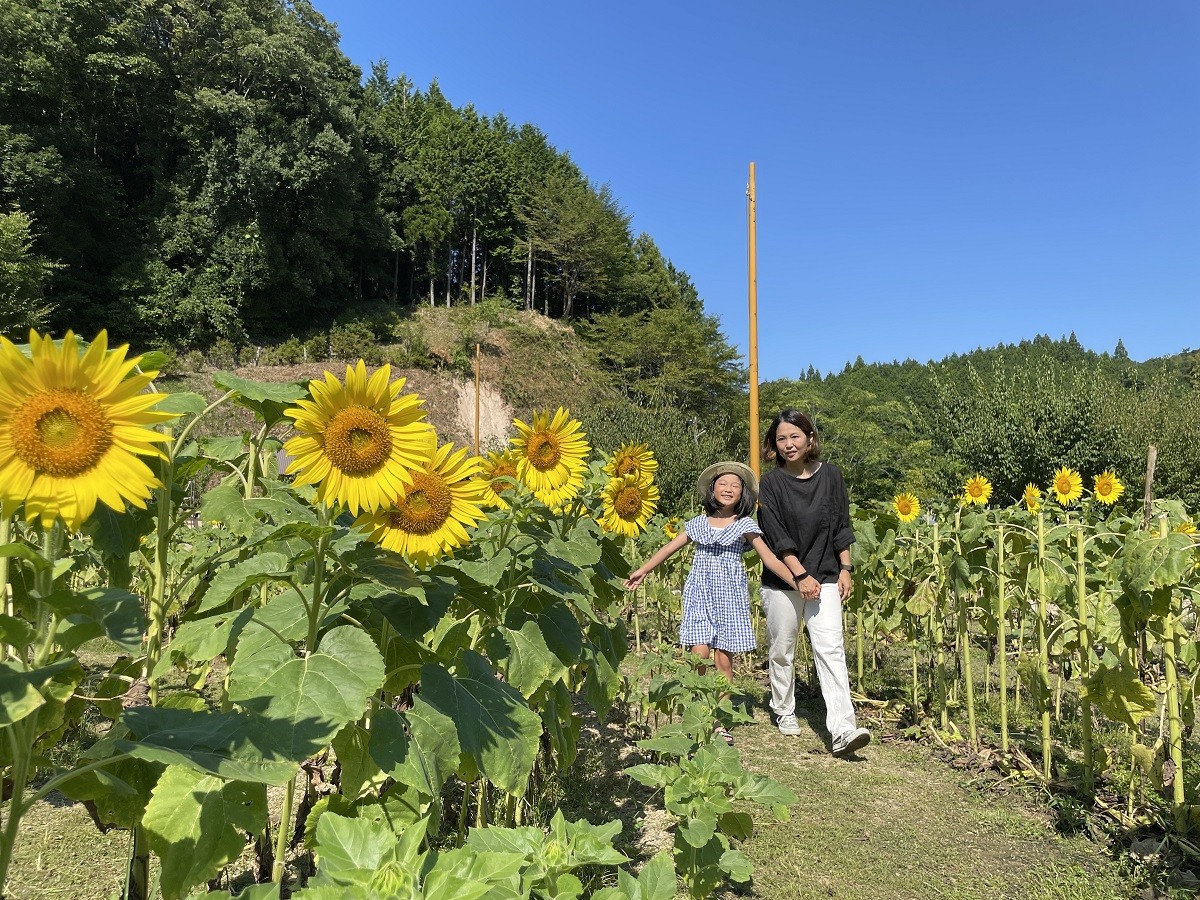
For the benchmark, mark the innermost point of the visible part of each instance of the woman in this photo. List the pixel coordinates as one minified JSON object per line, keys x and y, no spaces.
{"x":804,"y":512}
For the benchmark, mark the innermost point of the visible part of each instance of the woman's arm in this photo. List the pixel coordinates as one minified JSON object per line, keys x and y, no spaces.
{"x":676,"y":543}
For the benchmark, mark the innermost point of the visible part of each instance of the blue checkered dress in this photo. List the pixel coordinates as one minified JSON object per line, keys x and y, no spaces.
{"x":716,"y":596}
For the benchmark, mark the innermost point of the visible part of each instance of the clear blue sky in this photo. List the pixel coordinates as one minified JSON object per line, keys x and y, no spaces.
{"x":932,"y":176}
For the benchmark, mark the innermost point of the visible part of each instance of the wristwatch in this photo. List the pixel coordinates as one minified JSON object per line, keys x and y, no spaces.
{"x":847,"y":567}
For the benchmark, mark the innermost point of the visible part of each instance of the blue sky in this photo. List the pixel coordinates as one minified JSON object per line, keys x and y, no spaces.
{"x":932,"y":176}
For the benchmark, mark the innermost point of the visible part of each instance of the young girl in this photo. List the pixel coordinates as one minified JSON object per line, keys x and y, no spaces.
{"x":716,"y":597}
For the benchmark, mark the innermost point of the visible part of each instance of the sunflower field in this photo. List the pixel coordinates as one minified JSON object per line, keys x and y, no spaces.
{"x":332,"y":636}
{"x":1083,"y":620}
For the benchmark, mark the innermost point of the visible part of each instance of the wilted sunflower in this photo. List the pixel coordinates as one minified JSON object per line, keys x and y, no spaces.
{"x":492,"y":469}
{"x":977,"y":490}
{"x":632,"y":459}
{"x":551,"y":452}
{"x":907,"y":507}
{"x":627,"y":504}
{"x":1032,"y":498}
{"x":432,"y":514}
{"x":1068,"y":485}
{"x":72,"y":427}
{"x":1107,"y":487}
{"x":358,"y":442}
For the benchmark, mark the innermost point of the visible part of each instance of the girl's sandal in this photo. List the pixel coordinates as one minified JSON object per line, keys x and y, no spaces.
{"x":724,"y":734}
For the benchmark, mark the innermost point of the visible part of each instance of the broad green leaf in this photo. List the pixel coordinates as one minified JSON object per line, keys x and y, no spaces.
{"x":562,"y":633}
{"x":308,"y":700}
{"x":360,"y":773}
{"x":196,"y":824}
{"x":523,"y":655}
{"x":650,"y":775}
{"x":657,"y":878}
{"x":494,"y":725}
{"x":18,"y":697}
{"x":268,"y":400}
{"x":418,"y":747}
{"x":1119,"y":694}
{"x":562,"y":724}
{"x":183,"y":403}
{"x":738,"y":825}
{"x":736,"y":866}
{"x":230,"y":745}
{"x":102,"y":612}
{"x":211,"y":636}
{"x":233,"y":579}
{"x":698,"y":831}
{"x":348,"y":848}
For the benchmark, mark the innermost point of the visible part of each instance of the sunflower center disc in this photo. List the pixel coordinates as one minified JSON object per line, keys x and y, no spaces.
{"x":497,"y":486}
{"x":61,"y":433}
{"x":358,"y":441}
{"x":425,"y":507}
{"x":627,"y":466}
{"x":628,"y":503}
{"x":543,"y":451}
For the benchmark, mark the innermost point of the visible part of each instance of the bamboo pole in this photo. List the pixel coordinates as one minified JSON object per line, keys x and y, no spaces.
{"x":752,"y":227}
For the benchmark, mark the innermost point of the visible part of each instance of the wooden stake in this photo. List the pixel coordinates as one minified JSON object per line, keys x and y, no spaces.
{"x":476,"y":399}
{"x":755,"y":452}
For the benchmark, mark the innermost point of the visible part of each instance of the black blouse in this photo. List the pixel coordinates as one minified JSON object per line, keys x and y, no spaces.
{"x":807,"y":516}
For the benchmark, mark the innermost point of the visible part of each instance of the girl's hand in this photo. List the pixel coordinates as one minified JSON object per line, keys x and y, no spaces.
{"x":632,"y":582}
{"x":809,"y":587}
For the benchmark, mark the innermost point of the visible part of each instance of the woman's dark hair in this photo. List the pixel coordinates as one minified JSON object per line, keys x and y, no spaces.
{"x":801,"y":421}
{"x":745,"y":504}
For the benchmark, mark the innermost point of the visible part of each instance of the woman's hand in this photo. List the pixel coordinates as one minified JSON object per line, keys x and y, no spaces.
{"x":809,"y":587}
{"x":844,"y":584}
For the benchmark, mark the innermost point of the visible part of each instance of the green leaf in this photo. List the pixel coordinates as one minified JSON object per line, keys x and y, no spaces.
{"x":309,"y":700}
{"x":101,"y":612}
{"x":737,"y":825}
{"x":262,"y":568}
{"x":18,"y":697}
{"x":183,"y":403}
{"x":360,"y":773}
{"x":348,"y":848}
{"x":1118,"y":692}
{"x":268,"y":400}
{"x":418,"y":747}
{"x":698,"y":832}
{"x":211,"y":636}
{"x":196,"y":824}
{"x":526,"y":660}
{"x":657,"y":878}
{"x":734,"y":864}
{"x":494,"y":725}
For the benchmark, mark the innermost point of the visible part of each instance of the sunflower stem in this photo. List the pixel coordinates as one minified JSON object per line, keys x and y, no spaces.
{"x":1043,"y":645}
{"x":1002,"y":636}
{"x":1085,"y":663}
{"x":964,"y":627}
{"x":158,"y":599}
{"x":5,"y":535}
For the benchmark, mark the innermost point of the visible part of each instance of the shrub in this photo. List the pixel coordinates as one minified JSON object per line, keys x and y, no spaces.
{"x":316,"y":348}
{"x":288,"y":353}
{"x":223,"y":354}
{"x":351,"y":340}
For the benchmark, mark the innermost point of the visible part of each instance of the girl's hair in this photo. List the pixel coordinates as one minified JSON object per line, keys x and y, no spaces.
{"x":745,"y":504}
{"x":801,"y":421}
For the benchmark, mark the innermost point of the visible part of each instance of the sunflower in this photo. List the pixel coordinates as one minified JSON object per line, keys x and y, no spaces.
{"x":627,"y":504}
{"x":1188,"y":527}
{"x":632,"y":459}
{"x":1068,"y":485}
{"x":431,"y":515}
{"x":977,"y":490}
{"x":556,"y":499}
{"x":357,"y":443}
{"x":672,"y":527}
{"x":551,"y":452}
{"x":1032,"y":498}
{"x":907,"y":507}
{"x":72,"y":429}
{"x":492,"y":469}
{"x":1107,"y":487}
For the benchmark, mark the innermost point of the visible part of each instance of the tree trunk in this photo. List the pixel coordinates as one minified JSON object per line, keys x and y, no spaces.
{"x":396,"y":277}
{"x":483,"y":254}
{"x":449,"y":270}
{"x":474,"y":250}
{"x":529,"y":286}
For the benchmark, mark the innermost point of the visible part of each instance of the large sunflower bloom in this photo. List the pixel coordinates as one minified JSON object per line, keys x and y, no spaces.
{"x":632,"y":459}
{"x":72,"y":429}
{"x":431,"y":515}
{"x":1107,"y":487}
{"x":977,"y":490}
{"x":1032,"y":498}
{"x":551,"y":452}
{"x":627,"y":503}
{"x":358,"y":442}
{"x":492,"y":469}
{"x":907,"y":507}
{"x":1068,"y":485}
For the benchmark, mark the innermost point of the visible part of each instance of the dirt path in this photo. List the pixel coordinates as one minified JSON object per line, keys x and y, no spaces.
{"x":891,"y":822}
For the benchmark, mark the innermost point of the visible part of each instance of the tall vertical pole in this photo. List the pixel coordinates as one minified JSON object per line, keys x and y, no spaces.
{"x":755,"y":451}
{"x":476,"y":399}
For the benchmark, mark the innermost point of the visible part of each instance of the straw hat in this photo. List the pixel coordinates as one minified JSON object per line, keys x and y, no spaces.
{"x":716,"y":470}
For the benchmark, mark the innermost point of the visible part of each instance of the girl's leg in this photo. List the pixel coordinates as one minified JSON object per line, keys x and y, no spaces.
{"x":703,"y":651}
{"x":784,"y":610}
{"x":724,"y":662}
{"x":824,"y":621}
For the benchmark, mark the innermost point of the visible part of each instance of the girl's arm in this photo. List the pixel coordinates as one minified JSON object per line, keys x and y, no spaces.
{"x":774,"y":563}
{"x":635,"y":578}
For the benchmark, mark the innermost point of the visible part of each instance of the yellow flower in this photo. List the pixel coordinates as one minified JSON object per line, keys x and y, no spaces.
{"x":627,"y":504}
{"x":1187,"y":527}
{"x":357,"y":443}
{"x":1068,"y":485}
{"x":632,"y":459}
{"x":72,"y":429}
{"x":551,"y":452}
{"x":1032,"y":497}
{"x":1107,"y":487}
{"x":672,"y":527}
{"x":977,"y":490}
{"x":907,"y":507}
{"x":431,"y":515}
{"x":492,"y":469}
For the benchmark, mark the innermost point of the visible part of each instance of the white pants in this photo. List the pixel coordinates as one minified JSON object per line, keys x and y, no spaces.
{"x":823,"y":618}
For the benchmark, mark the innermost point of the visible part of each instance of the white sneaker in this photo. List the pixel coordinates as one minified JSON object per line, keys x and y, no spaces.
{"x":788,"y":725}
{"x":851,"y":741}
